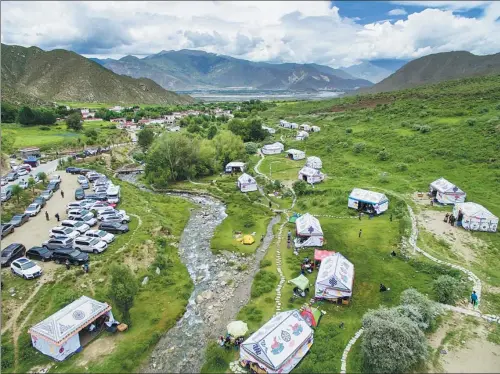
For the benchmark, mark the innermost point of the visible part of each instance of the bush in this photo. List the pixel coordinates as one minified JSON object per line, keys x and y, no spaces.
{"x":348,"y":130}
{"x":447,"y":289}
{"x":359,"y":147}
{"x":471,"y":121}
{"x":44,"y":128}
{"x":383,"y":156}
{"x":251,"y":148}
{"x":383,"y":177}
{"x":300,"y":187}
{"x":424,"y":129}
{"x":405,"y":124}
{"x":265,"y":263}
{"x":277,"y":184}
{"x":264,"y":282}
{"x":483,"y":110}
{"x":427,"y":308}
{"x":402,"y":166}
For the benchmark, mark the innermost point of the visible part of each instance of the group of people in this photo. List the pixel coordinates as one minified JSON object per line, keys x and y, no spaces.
{"x":228,"y":341}
{"x":58,"y":218}
{"x":450,"y":218}
{"x":306,"y":266}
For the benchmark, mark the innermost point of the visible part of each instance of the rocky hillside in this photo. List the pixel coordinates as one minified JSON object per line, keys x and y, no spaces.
{"x":60,"y":75}
{"x":188,"y":69}
{"x":437,"y":68}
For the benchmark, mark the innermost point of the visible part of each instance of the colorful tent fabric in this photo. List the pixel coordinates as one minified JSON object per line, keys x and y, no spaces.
{"x":237,"y":328}
{"x":320,"y":255}
{"x":246,"y":183}
{"x":280,"y":344}
{"x":476,"y":217}
{"x":308,"y":225}
{"x":335,"y":278}
{"x":294,"y":217}
{"x":447,"y":192}
{"x":301,"y":281}
{"x":312,"y":316}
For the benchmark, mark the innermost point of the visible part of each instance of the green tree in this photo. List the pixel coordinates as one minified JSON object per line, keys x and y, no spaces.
{"x":91,"y":133}
{"x":447,"y":289}
{"x":229,"y":147}
{"x":122,"y":290}
{"x":42,"y":176}
{"x":300,"y":187}
{"x":16,"y":191}
{"x":26,"y":116}
{"x":145,"y":138}
{"x":74,"y":122}
{"x":212,"y":131}
{"x":31,"y":184}
{"x":9,"y":113}
{"x":8,"y":139}
{"x":255,"y":131}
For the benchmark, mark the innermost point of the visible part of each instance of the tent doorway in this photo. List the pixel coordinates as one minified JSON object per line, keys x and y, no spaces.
{"x":92,"y":331}
{"x":304,"y":177}
{"x":365,"y":207}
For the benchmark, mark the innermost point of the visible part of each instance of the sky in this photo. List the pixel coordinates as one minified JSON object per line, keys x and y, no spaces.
{"x":333,"y":33}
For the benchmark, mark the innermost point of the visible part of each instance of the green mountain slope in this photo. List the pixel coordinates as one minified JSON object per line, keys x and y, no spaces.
{"x":61,"y":75}
{"x":187,"y":69}
{"x":437,"y":68}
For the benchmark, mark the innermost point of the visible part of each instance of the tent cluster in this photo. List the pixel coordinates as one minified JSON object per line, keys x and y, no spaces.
{"x":368,"y":201}
{"x":288,"y":125}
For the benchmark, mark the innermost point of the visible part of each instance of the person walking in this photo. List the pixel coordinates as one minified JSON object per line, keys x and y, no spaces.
{"x":360,"y":232}
{"x":46,"y":215}
{"x":359,"y":216}
{"x":57,"y":217}
{"x":390,"y":218}
{"x":270,"y":205}
{"x":68,"y":265}
{"x":446,"y":217}
{"x":62,"y":194}
{"x":473,"y":299}
{"x":85,"y":267}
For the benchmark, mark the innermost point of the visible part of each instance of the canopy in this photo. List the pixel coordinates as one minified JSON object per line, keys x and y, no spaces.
{"x":294,"y":217}
{"x":248,"y":239}
{"x":235,"y":164}
{"x":69,"y":320}
{"x":320,"y":255}
{"x":307,"y":225}
{"x":366,"y":196}
{"x":446,"y":192}
{"x":311,"y":316}
{"x":280,"y":344}
{"x":310,"y":172}
{"x":314,"y":162}
{"x":301,"y":281}
{"x":442,"y":185}
{"x":335,"y":277}
{"x":237,"y":328}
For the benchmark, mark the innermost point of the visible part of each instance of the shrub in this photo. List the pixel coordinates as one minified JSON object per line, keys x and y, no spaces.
{"x":402,"y":166}
{"x":447,"y":289}
{"x":471,"y":121}
{"x":265,"y":263}
{"x":383,"y":177}
{"x":300,"y":187}
{"x":277,"y":184}
{"x":383,"y":156}
{"x":497,"y":107}
{"x":359,"y":147}
{"x":483,"y":110}
{"x":44,"y":128}
{"x":251,"y":148}
{"x":427,"y":308}
{"x":264,"y":282}
{"x":416,"y":127}
{"x":348,"y":130}
{"x":405,"y":124}
{"x":424,"y":129}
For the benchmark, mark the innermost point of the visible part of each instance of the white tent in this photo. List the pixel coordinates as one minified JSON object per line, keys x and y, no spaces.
{"x":58,"y":335}
{"x":293,"y":125}
{"x":235,"y":166}
{"x":335,"y":278}
{"x":309,"y":232}
{"x":284,"y":123}
{"x":446,"y":192}
{"x":305,"y":127}
{"x":273,"y":149}
{"x":270,"y":130}
{"x":246,"y":183}
{"x":295,"y":154}
{"x":315,"y":128}
{"x":475,"y":217}
{"x":311,"y":175}
{"x":314,"y":162}
{"x":301,"y":135}
{"x":368,"y":201}
{"x":279,"y":345}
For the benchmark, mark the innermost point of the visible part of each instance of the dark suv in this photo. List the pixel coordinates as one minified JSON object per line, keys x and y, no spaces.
{"x":53,"y":186}
{"x":74,"y":256}
{"x":12,"y":252}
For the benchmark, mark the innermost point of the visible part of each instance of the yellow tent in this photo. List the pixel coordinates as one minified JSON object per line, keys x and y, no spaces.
{"x":248,"y":239}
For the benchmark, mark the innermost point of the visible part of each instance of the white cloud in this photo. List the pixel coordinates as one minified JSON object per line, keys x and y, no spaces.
{"x":397,"y":12}
{"x":295,"y":31}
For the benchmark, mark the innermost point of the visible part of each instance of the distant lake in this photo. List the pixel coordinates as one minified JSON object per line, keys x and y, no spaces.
{"x":244,"y":95}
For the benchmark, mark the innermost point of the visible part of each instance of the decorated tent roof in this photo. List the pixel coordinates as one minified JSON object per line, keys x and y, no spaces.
{"x":320,"y":255}
{"x":314,"y":162}
{"x":306,"y":170}
{"x":245,"y":178}
{"x":336,"y":272}
{"x":276,"y":145}
{"x":307,"y":225}
{"x":303,"y":134}
{"x":70,"y":319}
{"x":474,"y":210}
{"x":295,"y":151}
{"x":279,"y":339}
{"x":235,"y":164}
{"x":368,"y":196}
{"x":444,"y":186}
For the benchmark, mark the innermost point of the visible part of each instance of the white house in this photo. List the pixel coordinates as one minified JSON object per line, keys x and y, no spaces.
{"x":305,"y":127}
{"x":311,"y":175}
{"x":446,"y":192}
{"x":246,"y":183}
{"x":116,"y":108}
{"x":58,"y":336}
{"x":273,"y":149}
{"x":295,"y":154}
{"x":314,"y":162}
{"x":170,"y":119}
{"x":315,"y":129}
{"x":368,"y":201}
{"x":302,"y":135}
{"x":475,"y":217}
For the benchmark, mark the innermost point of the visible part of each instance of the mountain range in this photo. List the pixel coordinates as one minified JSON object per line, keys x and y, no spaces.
{"x":437,"y":68}
{"x":33,"y":76}
{"x":191,"y":70}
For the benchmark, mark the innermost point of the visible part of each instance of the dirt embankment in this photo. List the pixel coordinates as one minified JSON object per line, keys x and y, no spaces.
{"x":363,"y":103}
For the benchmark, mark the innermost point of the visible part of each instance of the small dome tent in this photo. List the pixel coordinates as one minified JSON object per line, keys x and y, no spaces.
{"x":246,"y":183}
{"x":302,"y":135}
{"x":314,"y":162}
{"x":475,"y":217}
{"x":295,"y":154}
{"x":368,"y":201}
{"x":445,"y":192}
{"x":273,"y":149}
{"x":309,"y":232}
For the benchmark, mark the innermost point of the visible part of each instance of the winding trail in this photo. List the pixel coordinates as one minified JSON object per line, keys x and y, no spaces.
{"x":123,"y":247}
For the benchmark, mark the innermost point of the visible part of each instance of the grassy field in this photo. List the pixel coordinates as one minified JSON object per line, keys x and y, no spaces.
{"x":157,"y":306}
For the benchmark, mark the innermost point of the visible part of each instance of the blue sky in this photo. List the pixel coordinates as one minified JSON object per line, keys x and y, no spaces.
{"x":334,"y":33}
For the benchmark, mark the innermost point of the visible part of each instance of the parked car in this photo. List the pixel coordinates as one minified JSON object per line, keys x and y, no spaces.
{"x":58,"y":242}
{"x":80,"y":212}
{"x":100,"y":234}
{"x":47,"y":194}
{"x":12,"y":176}
{"x":55,"y":178}
{"x":7,"y":228}
{"x":93,"y":245}
{"x":96,"y":197}
{"x":25,"y":268}
{"x":27,"y":167}
{"x":79,"y":193}
{"x":23,"y":184}
{"x":81,"y":178}
{"x":89,"y":219}
{"x":21,"y":171}
{"x":33,"y":209}
{"x":92,"y":176}
{"x":85,"y":171}
{"x":6,"y":194}
{"x":116,"y":218}
{"x":100,"y":205}
{"x":19,"y":219}
{"x":77,"y":225}
{"x":74,"y":256}
{"x":39,"y":253}
{"x":35,"y":178}
{"x":73,"y":170}
{"x":12,"y":252}
{"x":53,"y":185}
{"x":40,"y":201}
{"x":110,"y":212}
{"x":114,"y":227}
{"x":74,"y":205}
{"x":85,"y":185}
{"x":4,"y":181}
{"x":64,"y":231}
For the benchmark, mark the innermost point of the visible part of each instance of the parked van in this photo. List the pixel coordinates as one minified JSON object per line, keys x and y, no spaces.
{"x":113,"y":193}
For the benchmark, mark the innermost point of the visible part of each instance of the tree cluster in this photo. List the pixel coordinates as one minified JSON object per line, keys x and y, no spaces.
{"x":26,"y":115}
{"x":250,"y":130}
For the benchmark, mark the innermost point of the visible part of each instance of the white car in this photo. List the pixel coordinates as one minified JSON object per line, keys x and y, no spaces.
{"x":102,"y":235}
{"x":55,"y":178}
{"x":88,"y":244}
{"x":116,"y":218}
{"x":100,"y":206}
{"x":77,"y":225}
{"x":64,"y":231}
{"x":110,"y":212}
{"x":74,"y":205}
{"x":101,"y":189}
{"x":81,"y":179}
{"x":78,"y":212}
{"x":89,"y":219}
{"x":25,"y":268}
{"x":22,"y":171}
{"x":33,"y":209}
